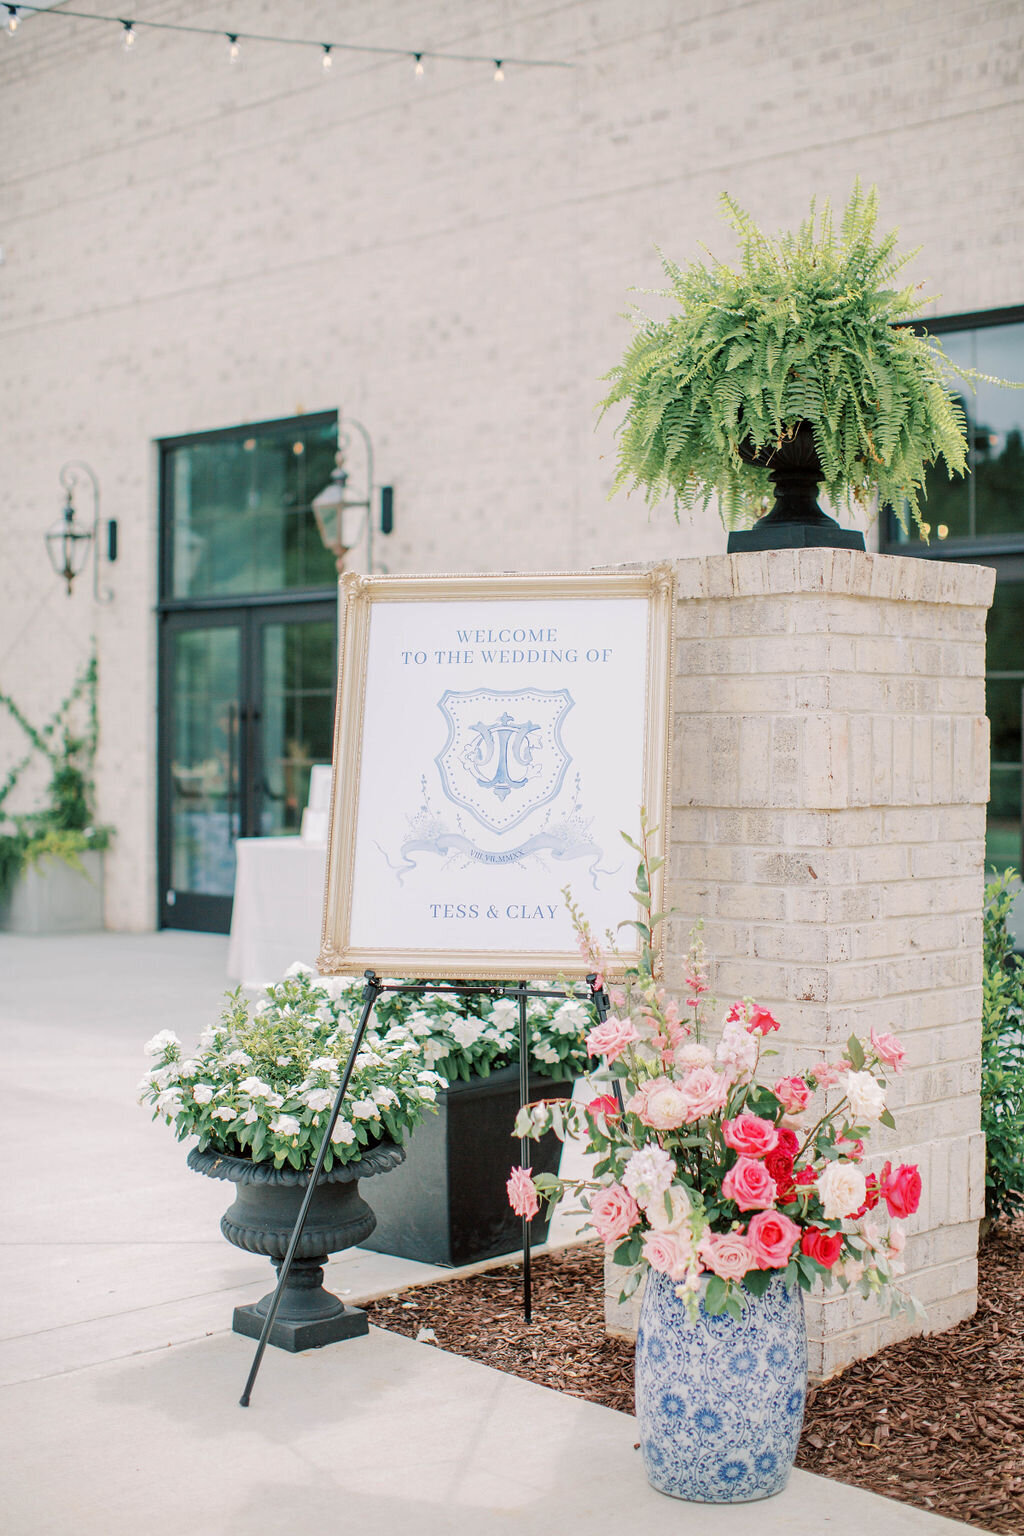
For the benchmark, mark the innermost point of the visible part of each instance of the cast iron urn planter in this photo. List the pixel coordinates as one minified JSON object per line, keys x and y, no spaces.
{"x":795,"y":521}
{"x":261,"y":1220}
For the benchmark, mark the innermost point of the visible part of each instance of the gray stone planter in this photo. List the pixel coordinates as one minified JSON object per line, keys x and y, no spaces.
{"x":267,"y":1201}
{"x":52,"y":896}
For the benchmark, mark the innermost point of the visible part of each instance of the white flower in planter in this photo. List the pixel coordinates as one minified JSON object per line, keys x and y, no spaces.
{"x":319,"y":1098}
{"x":202,"y":1093}
{"x":159,"y":1043}
{"x":343,"y":1133}
{"x":286,"y":1125}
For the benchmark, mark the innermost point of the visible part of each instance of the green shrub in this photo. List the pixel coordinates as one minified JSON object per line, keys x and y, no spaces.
{"x":1002,"y":1056}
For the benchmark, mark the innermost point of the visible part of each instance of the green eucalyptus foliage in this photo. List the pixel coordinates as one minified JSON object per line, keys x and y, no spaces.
{"x":1002,"y":1057}
{"x":808,"y":327}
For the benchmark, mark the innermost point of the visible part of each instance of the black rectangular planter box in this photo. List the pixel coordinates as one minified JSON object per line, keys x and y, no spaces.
{"x":447,"y":1203}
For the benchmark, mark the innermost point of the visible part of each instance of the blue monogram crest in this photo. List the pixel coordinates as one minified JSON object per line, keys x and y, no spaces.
{"x":504,"y":756}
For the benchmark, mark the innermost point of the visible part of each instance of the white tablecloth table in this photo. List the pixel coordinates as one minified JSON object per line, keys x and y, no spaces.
{"x":278,"y":907}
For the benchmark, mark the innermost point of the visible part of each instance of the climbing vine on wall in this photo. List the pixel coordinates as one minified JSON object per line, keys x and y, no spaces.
{"x":64,"y":827}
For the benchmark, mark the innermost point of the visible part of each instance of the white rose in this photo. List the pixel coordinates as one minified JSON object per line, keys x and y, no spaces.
{"x":841,"y":1189}
{"x":160,"y":1042}
{"x":202,"y":1093}
{"x":659,"y":1217}
{"x":867,"y":1097}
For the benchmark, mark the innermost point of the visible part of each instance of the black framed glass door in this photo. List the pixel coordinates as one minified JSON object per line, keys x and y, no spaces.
{"x":246,"y":710}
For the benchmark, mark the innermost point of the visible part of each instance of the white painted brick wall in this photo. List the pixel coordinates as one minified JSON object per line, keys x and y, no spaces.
{"x":188,"y":246}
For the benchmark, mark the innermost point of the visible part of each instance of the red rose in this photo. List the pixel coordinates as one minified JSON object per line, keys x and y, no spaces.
{"x":823,"y":1247}
{"x":605,"y":1104}
{"x":788,"y":1142}
{"x":805,"y":1176}
{"x":873,"y":1184}
{"x":902,"y":1189}
{"x":780,"y":1166}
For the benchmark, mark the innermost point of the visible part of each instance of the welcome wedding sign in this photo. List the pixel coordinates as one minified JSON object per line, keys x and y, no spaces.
{"x":494,"y":735}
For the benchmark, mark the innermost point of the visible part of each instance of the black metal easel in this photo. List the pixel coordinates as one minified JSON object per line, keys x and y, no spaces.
{"x":523,"y":993}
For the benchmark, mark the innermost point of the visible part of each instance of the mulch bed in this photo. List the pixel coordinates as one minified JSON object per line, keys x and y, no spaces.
{"x":937,"y":1421}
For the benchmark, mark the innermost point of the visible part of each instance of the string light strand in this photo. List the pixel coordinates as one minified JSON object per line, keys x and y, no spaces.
{"x":15,"y":13}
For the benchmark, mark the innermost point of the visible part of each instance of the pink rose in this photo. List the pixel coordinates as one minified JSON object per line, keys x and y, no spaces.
{"x":761,"y":1021}
{"x":704,"y":1091}
{"x":889,"y":1050}
{"x":611,"y":1038}
{"x":825,"y":1075}
{"x":771,"y":1237}
{"x":613,"y":1211}
{"x":522,"y":1196}
{"x":750,"y":1135}
{"x":669,"y":1251}
{"x":660,"y":1104}
{"x":749,"y":1183}
{"x":793,"y":1094}
{"x":727,"y":1254}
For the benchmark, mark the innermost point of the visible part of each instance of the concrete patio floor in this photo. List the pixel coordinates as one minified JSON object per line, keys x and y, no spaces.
{"x":120,"y":1378}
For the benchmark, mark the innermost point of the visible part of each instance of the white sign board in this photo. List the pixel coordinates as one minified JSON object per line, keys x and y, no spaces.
{"x":494,"y":736}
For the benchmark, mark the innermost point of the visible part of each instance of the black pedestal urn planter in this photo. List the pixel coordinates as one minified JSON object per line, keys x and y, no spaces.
{"x":795,"y":521}
{"x":447,"y":1204}
{"x":261,"y":1220}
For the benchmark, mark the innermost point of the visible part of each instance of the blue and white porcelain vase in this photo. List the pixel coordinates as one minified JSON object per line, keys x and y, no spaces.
{"x":720,"y":1403}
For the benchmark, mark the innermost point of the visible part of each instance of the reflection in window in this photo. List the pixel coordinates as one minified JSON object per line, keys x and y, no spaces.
{"x":989,"y":501}
{"x":238,"y":508}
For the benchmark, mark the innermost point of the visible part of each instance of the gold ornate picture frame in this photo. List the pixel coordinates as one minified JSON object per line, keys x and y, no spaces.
{"x":493,"y":737}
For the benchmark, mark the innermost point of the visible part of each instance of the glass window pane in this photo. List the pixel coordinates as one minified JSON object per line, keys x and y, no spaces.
{"x":298,"y":717}
{"x":204,"y":760}
{"x":998,"y":447}
{"x":240,"y":513}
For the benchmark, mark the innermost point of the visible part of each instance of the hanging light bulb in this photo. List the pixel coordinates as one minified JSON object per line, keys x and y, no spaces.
{"x":234,"y":47}
{"x":417,"y":68}
{"x":128,"y":40}
{"x":499,"y":73}
{"x":327,"y":63}
{"x":12,"y":20}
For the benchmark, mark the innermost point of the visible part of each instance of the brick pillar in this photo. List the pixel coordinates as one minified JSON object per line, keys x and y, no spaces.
{"x":829,"y":785}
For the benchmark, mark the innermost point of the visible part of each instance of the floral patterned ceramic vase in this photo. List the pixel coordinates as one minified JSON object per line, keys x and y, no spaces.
{"x":720,"y":1403}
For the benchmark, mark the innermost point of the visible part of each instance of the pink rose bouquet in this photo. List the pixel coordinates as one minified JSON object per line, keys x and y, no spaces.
{"x":705,"y":1172}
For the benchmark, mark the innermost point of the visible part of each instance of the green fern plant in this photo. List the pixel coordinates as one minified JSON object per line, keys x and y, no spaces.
{"x":808,"y":327}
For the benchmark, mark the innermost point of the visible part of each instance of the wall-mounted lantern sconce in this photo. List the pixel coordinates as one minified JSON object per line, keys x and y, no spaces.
{"x":68,"y":540}
{"x":340,"y":517}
